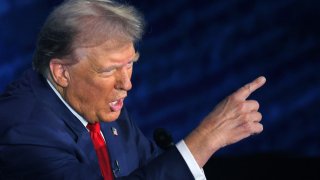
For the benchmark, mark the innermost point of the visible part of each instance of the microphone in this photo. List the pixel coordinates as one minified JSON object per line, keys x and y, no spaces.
{"x":163,"y":139}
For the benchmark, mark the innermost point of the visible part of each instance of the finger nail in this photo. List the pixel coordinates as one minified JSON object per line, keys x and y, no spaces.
{"x":262,"y":79}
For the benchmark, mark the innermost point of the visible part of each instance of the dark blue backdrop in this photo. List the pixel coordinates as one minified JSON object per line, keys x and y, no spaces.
{"x":195,"y":53}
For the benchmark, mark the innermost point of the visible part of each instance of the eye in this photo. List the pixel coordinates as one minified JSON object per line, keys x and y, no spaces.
{"x":130,"y":64}
{"x":109,"y":72}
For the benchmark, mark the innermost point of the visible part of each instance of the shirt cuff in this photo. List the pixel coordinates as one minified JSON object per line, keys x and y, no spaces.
{"x":196,"y":171}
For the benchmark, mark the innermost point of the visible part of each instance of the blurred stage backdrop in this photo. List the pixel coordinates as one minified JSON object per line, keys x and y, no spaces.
{"x":194,"y":53}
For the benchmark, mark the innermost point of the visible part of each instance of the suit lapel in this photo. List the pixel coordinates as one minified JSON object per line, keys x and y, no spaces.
{"x":110,"y":141}
{"x":116,"y":137}
{"x":87,"y":151}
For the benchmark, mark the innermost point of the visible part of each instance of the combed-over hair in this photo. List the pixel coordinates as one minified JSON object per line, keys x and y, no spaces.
{"x":85,"y":23}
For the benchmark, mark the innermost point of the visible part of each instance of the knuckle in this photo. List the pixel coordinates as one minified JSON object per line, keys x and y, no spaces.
{"x":241,"y":107}
{"x":259,"y":115}
{"x":232,"y":97}
{"x":256,"y":104}
{"x":252,"y":128}
{"x":246,"y":117}
{"x":247,"y":127}
{"x":259,"y":128}
{"x":247,"y":87}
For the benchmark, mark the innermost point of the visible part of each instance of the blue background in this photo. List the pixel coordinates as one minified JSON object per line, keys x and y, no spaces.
{"x":194,"y":53}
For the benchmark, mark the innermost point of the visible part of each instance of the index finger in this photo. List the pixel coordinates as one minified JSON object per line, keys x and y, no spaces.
{"x":244,"y":92}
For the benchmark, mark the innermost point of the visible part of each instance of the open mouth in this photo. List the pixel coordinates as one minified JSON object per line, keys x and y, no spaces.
{"x":116,"y":105}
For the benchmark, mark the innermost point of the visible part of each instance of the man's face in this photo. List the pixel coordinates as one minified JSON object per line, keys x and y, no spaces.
{"x":99,"y":81}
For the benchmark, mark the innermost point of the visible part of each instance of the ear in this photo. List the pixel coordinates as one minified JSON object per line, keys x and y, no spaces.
{"x":59,"y":72}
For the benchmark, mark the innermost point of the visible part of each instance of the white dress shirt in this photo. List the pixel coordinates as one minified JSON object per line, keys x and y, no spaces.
{"x":196,"y":171}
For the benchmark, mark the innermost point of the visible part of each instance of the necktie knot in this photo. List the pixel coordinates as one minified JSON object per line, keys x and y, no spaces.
{"x":93,"y":127}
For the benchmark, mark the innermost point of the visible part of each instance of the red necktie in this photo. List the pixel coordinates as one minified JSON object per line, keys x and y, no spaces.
{"x":101,"y":150}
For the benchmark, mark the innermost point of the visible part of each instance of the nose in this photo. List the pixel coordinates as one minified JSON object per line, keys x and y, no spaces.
{"x":124,"y":79}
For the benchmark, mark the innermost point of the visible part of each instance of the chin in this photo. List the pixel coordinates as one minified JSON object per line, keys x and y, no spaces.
{"x":110,"y":116}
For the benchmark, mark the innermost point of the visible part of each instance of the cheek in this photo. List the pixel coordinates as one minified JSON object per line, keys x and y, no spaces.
{"x":101,"y":93}
{"x":98,"y":92}
{"x":91,"y":92}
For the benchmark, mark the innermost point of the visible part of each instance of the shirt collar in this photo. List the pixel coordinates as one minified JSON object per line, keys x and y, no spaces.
{"x":81,"y":119}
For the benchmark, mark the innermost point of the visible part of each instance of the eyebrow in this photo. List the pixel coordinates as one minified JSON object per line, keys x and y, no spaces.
{"x":134,"y":59}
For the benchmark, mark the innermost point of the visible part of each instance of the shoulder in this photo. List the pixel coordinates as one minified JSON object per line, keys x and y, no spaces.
{"x":19,"y":101}
{"x":26,"y":109}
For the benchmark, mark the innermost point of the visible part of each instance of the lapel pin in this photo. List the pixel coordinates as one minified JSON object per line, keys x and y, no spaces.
{"x":116,"y":169}
{"x":114,"y":131}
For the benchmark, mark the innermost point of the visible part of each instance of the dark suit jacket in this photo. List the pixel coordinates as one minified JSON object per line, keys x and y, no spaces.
{"x":41,"y":139}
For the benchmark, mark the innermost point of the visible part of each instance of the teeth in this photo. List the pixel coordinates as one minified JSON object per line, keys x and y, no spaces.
{"x":113,"y":103}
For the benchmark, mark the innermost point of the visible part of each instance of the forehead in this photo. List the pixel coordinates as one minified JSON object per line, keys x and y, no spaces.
{"x":110,"y":51}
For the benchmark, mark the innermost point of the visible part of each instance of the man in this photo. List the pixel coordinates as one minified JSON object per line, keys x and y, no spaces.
{"x":66,"y":118}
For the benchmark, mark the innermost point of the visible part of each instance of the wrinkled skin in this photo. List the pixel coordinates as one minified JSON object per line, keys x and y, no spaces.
{"x":100,"y":75}
{"x":232,"y":120}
